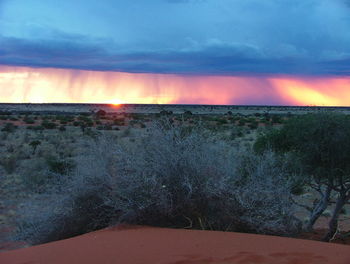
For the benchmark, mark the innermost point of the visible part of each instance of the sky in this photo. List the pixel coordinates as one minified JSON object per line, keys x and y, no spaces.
{"x":279,"y":52}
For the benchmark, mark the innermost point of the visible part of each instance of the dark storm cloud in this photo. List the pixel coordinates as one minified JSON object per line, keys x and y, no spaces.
{"x":217,"y":59}
{"x":180,"y":36}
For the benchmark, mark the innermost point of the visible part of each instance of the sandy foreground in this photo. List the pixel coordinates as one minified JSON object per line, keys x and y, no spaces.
{"x":143,"y":245}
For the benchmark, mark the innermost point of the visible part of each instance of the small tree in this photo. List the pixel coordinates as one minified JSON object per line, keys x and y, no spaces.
{"x":34,"y":144}
{"x":322,"y":143}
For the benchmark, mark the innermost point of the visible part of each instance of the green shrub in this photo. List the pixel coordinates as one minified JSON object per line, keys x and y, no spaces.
{"x":253,"y":125}
{"x":101,"y":113}
{"x":38,"y":128}
{"x":60,"y":166}
{"x":276,"y":119}
{"x":119,"y":121}
{"x":48,"y":125}
{"x":241,"y":122}
{"x":29,"y":121}
{"x":9,"y":127}
{"x":222,"y":121}
{"x":84,"y":119}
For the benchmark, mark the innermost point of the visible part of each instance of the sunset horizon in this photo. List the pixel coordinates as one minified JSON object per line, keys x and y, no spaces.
{"x":53,"y":85}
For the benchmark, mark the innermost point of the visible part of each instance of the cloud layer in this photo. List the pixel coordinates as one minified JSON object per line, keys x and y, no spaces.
{"x":220,"y":37}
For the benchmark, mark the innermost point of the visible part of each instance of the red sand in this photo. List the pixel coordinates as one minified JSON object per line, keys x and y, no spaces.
{"x":143,"y":245}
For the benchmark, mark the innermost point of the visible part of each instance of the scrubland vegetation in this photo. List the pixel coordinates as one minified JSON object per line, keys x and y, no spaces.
{"x":65,"y":175}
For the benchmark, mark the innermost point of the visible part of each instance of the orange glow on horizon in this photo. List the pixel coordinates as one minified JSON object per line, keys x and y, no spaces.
{"x":315,"y":91}
{"x":45,"y":85}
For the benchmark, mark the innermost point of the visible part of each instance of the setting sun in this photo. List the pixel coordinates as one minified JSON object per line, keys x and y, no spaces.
{"x":115,"y":102}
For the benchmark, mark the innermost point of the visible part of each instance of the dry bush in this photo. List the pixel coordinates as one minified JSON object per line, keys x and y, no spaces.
{"x":34,"y":172}
{"x":266,"y":194}
{"x":174,"y":177}
{"x":71,"y":207}
{"x":9,"y":163}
